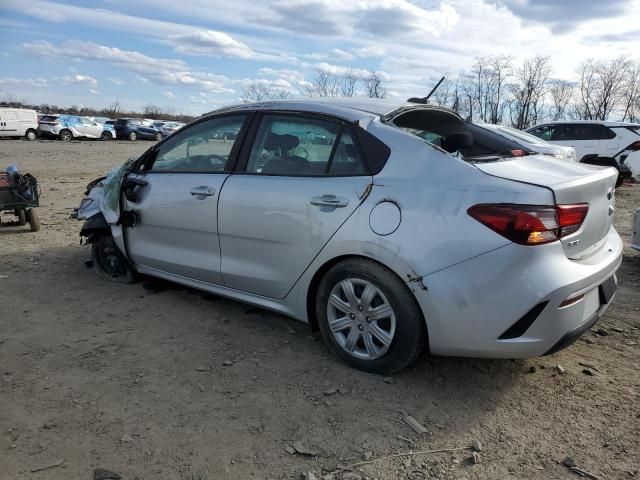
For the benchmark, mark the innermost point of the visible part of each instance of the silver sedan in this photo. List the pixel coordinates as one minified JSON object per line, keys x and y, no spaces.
{"x":366,"y":220}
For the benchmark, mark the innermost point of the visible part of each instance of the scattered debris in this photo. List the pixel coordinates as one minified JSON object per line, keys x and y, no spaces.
{"x":475,"y":458}
{"x":476,"y":445}
{"x":309,"y":476}
{"x":49,"y":425}
{"x":291,"y":330}
{"x":201,"y":388}
{"x":602,"y":332}
{"x":408,"y":440}
{"x":57,"y":463}
{"x":202,"y":369}
{"x":584,"y":473}
{"x":126,"y":439}
{"x":588,"y":365}
{"x":569,"y":462}
{"x":532,"y":369}
{"x":289,"y":449}
{"x":366,"y":456}
{"x":389,"y":380}
{"x":330,"y":391}
{"x":617,"y":329}
{"x":102,"y":474}
{"x":586,"y":371}
{"x":415,"y":425}
{"x":300,"y":448}
{"x":560,"y":369}
{"x":227,"y":363}
{"x":388,"y":457}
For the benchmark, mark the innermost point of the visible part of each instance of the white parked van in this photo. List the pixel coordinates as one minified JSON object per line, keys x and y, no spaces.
{"x":18,"y":122}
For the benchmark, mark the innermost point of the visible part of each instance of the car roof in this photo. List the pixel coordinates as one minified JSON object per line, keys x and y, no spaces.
{"x":349,"y":107}
{"x":597,"y":122}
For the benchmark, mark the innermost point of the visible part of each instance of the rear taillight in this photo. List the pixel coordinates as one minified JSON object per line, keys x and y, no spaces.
{"x":518,"y":153}
{"x":531,"y":224}
{"x":635,"y":146}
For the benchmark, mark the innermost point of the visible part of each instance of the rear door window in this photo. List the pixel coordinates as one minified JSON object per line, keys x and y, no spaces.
{"x":292,"y":145}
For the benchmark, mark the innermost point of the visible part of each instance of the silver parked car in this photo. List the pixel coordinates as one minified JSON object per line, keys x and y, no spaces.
{"x":534,"y":143}
{"x":386,"y":243}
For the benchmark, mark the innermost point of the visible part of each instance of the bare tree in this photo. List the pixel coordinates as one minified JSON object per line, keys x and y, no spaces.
{"x":347,"y":83}
{"x":561,"y":94}
{"x":257,"y":92}
{"x":486,"y":87}
{"x":631,"y":93}
{"x":324,"y":85}
{"x":601,"y":87}
{"x":113,"y":110}
{"x":373,"y":86}
{"x":152,"y":111}
{"x":528,"y":91}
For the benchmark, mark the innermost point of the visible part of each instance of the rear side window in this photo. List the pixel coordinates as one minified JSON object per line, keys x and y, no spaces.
{"x":603,"y":132}
{"x":582,"y":131}
{"x":49,"y":118}
{"x":299,"y":146}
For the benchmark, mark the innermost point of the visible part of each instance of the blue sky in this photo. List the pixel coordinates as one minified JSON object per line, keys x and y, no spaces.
{"x":191,"y":56}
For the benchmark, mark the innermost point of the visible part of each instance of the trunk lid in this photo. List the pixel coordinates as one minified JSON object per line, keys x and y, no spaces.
{"x":570,"y":183}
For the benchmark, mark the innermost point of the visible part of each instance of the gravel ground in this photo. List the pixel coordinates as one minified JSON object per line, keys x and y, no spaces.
{"x":132,"y":378}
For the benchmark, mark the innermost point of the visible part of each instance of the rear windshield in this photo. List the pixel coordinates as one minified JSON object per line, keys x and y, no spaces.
{"x":49,"y":118}
{"x":434,"y":126}
{"x":122,"y":121}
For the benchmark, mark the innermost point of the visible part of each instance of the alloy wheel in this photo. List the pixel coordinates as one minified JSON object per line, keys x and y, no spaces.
{"x":361,"y":318}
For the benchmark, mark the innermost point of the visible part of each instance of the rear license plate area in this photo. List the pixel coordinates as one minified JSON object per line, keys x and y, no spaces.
{"x":607,"y":289}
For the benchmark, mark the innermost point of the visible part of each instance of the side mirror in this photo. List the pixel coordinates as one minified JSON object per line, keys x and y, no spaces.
{"x":457,"y":141}
{"x":130,"y":188}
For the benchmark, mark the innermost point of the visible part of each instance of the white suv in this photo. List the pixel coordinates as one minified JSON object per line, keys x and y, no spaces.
{"x":615,"y":140}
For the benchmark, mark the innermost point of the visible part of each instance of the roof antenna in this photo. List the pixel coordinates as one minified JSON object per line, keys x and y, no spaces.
{"x":426,"y":99}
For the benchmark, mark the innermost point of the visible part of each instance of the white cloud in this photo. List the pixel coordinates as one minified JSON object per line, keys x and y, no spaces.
{"x":290,"y":75}
{"x":159,"y":70}
{"x":80,"y":80}
{"x":115,"y":81}
{"x":209,"y":43}
{"x":47,"y":15}
{"x":168,"y":94}
{"x":341,"y":70}
{"x":29,"y":82}
{"x":93,"y":91}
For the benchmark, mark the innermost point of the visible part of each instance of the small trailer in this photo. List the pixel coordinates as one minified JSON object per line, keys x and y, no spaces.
{"x":19,"y":196}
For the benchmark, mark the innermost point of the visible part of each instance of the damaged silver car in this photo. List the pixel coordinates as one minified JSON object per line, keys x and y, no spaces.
{"x":390,"y":236}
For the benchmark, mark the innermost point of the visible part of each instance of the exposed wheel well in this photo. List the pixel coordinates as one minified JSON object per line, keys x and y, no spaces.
{"x":317,"y":278}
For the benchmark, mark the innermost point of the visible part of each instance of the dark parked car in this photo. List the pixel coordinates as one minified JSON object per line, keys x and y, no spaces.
{"x":134,"y":129}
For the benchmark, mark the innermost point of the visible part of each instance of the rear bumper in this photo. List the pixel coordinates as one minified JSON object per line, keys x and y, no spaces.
{"x":470,"y":306}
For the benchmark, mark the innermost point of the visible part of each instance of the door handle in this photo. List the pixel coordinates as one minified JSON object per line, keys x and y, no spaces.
{"x":329,"y":201}
{"x":202,"y":192}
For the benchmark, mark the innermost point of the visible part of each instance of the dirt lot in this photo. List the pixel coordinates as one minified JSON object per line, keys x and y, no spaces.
{"x":130,"y":378}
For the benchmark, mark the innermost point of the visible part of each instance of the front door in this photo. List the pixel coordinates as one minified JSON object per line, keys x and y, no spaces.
{"x":301,"y":180}
{"x":578,"y":135}
{"x":176,"y":228}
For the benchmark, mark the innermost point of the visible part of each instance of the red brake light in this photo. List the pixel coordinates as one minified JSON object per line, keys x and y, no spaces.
{"x":634,"y":146}
{"x":518,"y":153}
{"x":530,"y":224}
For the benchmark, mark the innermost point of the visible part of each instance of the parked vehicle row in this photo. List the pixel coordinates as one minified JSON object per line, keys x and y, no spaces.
{"x":17,"y":123}
{"x":408,"y":229}
{"x":69,"y":127}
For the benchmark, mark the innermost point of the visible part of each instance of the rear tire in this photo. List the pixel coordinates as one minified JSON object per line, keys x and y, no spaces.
{"x":132,"y":136}
{"x":105,"y":136}
{"x":66,"y":135}
{"x":30,"y":135}
{"x":396,"y":338}
{"x":109,"y":263}
{"x":34,"y":220}
{"x":158,"y":137}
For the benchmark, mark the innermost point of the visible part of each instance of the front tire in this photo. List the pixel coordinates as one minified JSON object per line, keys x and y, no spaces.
{"x":369,"y":318}
{"x":105,"y":136}
{"x":30,"y":135}
{"x":158,"y":137}
{"x":109,"y":263}
{"x":66,"y":135}
{"x":132,"y":136}
{"x":34,"y":220}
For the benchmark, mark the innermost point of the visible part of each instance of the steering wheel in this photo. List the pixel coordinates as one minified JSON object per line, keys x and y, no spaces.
{"x":306,"y":152}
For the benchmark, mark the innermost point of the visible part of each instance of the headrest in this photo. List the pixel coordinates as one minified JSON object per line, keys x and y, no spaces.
{"x":284,"y":142}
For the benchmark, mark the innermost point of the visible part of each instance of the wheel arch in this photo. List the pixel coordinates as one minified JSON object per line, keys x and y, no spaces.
{"x":328,"y":264}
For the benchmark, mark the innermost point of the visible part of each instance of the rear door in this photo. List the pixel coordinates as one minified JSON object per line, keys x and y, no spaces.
{"x":87,"y":128}
{"x":584,"y":137}
{"x":10,"y":123}
{"x":176,"y":227}
{"x":298,"y":182}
